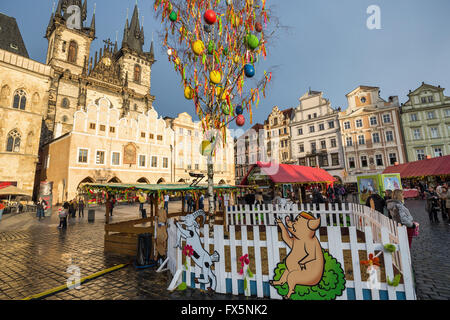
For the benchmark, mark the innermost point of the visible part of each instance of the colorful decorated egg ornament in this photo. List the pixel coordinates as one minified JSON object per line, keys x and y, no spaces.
{"x":239,"y":110}
{"x":249,"y":71}
{"x":198,"y":47}
{"x":210,"y":17}
{"x":173,"y":16}
{"x":240,"y":120}
{"x":188,"y":93}
{"x":215,"y":77}
{"x":252,"y":41}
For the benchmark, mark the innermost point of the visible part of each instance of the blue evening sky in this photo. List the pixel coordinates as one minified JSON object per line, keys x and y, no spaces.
{"x":328,"y":48}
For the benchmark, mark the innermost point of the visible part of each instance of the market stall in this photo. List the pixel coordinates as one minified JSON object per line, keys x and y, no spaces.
{"x":417,"y":174}
{"x":287,"y":179}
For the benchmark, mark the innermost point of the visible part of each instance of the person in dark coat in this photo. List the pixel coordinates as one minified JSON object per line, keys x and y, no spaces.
{"x":81,"y":208}
{"x":376,"y":202}
{"x":432,"y":204}
{"x":72,"y":209}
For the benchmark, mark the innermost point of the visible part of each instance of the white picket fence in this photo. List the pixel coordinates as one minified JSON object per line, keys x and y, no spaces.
{"x":377,"y":233}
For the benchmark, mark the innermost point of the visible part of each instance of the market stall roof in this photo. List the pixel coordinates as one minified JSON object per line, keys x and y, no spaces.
{"x":12,"y":191}
{"x":155,"y":187}
{"x":439,"y":166}
{"x":291,"y":173}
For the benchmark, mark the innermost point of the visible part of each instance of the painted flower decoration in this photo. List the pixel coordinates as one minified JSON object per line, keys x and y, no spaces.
{"x":244,"y":261}
{"x":372,"y":261}
{"x":188,"y":251}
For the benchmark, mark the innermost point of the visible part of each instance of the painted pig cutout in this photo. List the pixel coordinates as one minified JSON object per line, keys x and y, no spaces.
{"x":305,"y":262}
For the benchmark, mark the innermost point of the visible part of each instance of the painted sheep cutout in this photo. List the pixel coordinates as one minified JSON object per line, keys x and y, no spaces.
{"x":200,"y":256}
{"x":308,"y":272}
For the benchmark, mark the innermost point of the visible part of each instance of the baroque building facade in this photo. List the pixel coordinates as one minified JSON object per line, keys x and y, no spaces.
{"x":315,"y":135}
{"x":371,"y":133}
{"x":249,"y":149}
{"x":278,"y":135}
{"x":426,"y":123}
{"x":187,"y":157}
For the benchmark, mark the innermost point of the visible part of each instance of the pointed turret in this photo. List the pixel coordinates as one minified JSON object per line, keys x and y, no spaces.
{"x":93,"y":23}
{"x":133,"y":37}
{"x":152,"y":51}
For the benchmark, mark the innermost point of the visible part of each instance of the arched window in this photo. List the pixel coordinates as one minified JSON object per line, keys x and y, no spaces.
{"x":73,"y":50}
{"x":13,"y":141}
{"x":137,"y":73}
{"x":20,"y":100}
{"x":65,"y":103}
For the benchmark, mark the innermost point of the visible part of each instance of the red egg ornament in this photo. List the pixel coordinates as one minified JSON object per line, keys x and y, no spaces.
{"x":240,"y":120}
{"x":210,"y":17}
{"x":258,"y":27}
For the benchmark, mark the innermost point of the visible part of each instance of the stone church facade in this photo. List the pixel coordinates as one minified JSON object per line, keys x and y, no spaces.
{"x":51,"y":97}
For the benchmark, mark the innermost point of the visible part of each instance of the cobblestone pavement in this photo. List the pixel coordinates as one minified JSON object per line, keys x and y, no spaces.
{"x":35,"y":255}
{"x":430,"y":254}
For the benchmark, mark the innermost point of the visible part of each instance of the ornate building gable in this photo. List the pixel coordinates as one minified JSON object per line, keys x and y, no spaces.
{"x":103,"y":119}
{"x":105,"y":67}
{"x":426,"y":96}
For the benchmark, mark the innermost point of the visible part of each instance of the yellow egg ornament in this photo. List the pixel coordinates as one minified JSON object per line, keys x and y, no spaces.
{"x":198,"y":47}
{"x":237,"y":59}
{"x":215,"y":77}
{"x":188,"y":93}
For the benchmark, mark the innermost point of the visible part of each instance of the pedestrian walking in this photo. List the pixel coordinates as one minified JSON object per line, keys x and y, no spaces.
{"x":166,"y":202}
{"x":259,"y":198}
{"x":401,"y":214}
{"x":441,"y":190}
{"x":141,"y":202}
{"x":113,"y":204}
{"x":432,"y":204}
{"x":447,"y":205}
{"x":40,"y":208}
{"x":63,"y":213}
{"x":81,"y":208}
{"x":72,"y":209}
{"x":201,"y":205}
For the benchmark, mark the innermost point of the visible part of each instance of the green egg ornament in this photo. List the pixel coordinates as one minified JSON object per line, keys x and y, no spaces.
{"x":211,"y":47}
{"x":252,"y":41}
{"x":225,"y":51}
{"x":225,"y":109}
{"x":173,"y":16}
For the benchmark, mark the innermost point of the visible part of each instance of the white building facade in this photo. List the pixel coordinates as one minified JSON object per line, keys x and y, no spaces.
{"x":315,"y":135}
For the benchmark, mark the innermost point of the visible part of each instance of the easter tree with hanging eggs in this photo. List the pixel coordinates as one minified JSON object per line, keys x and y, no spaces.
{"x":215,"y":46}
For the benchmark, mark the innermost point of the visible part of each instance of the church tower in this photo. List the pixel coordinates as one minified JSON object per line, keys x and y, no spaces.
{"x":135,"y":65}
{"x":69,"y":40}
{"x":69,"y":43}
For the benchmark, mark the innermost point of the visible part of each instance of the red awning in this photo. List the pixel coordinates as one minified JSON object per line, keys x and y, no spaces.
{"x":429,"y":167}
{"x":289,"y":173}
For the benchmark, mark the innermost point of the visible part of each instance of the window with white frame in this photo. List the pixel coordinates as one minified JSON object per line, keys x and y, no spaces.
{"x":142,"y":161}
{"x":351,"y":162}
{"x":321,"y":127}
{"x":361,"y":140}
{"x":347,"y":125}
{"x":420,"y":153}
{"x":392,"y":158}
{"x":389,"y":136}
{"x":83,"y":155}
{"x":166,"y":163}
{"x":330,"y":124}
{"x":447,"y":112}
{"x":155,"y":162}
{"x":434,"y":132}
{"x":349,"y":141}
{"x":301,"y":148}
{"x":438,"y":152}
{"x":311,"y":129}
{"x":359,"y":123}
{"x":386,"y":118}
{"x":115,"y":159}
{"x":333,"y":143}
{"x":100,"y":157}
{"x":379,"y":160}
{"x":364,"y":163}
{"x":413,"y":117}
{"x":373,"y":121}
{"x":417,"y":134}
{"x":376,"y":137}
{"x":431,"y":115}
{"x":300,"y":131}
